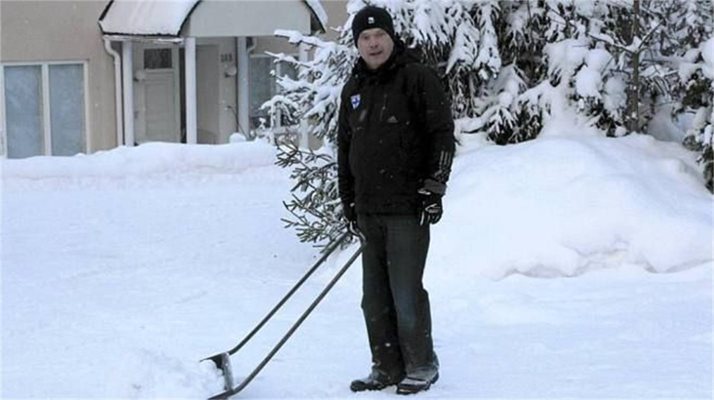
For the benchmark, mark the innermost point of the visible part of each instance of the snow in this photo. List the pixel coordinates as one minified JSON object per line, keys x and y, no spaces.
{"x":588,"y":81}
{"x":539,"y":196}
{"x":464,"y":46}
{"x":615,"y":97}
{"x":662,"y":127}
{"x":151,"y":158}
{"x":565,"y":56}
{"x":572,"y":266}
{"x":146,"y":17}
{"x":708,"y":56}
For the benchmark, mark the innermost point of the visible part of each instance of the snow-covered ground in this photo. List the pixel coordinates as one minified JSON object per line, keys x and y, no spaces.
{"x":566,"y":267}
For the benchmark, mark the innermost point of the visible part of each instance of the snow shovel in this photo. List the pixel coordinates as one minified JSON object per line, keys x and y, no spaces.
{"x":222,"y":360}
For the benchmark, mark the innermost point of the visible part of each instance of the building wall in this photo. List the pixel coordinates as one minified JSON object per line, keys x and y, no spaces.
{"x":34,"y":31}
{"x":225,"y":51}
{"x":221,"y":18}
{"x":65,"y":30}
{"x":336,"y":16}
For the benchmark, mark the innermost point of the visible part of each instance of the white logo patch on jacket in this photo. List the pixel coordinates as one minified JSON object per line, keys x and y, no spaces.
{"x":355,"y":101}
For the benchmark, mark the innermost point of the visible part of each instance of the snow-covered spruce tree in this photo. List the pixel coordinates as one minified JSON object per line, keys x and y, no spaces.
{"x":699,"y":97}
{"x":581,"y":73}
{"x":623,"y":63}
{"x":313,"y":99}
{"x":537,"y":73}
{"x":508,"y":118}
{"x":693,"y":90}
{"x":551,"y":67}
{"x":620,"y":58}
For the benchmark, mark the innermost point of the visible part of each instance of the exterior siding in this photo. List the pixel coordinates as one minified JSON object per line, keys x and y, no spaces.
{"x":336,"y":16}
{"x":214,"y":18}
{"x":49,"y":31}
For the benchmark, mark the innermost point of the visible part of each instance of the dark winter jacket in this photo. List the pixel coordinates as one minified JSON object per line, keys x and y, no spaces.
{"x":395,"y":132}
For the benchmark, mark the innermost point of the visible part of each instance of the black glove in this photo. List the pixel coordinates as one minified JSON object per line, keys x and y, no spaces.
{"x":431,"y":208}
{"x":350,"y":217}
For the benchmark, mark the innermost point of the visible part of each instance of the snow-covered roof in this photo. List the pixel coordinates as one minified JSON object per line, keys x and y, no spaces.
{"x":318,"y":12}
{"x":167,"y":18}
{"x":146,"y":17}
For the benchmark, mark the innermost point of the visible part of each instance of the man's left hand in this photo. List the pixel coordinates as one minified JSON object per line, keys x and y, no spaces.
{"x":432,"y":209}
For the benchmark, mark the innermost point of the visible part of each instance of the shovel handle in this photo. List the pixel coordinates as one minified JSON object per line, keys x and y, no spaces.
{"x":234,"y":390}
{"x":216,"y":358}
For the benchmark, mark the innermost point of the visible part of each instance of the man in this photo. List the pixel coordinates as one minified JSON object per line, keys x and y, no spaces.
{"x":395,"y":147}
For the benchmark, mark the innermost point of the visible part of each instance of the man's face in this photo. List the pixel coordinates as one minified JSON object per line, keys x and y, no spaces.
{"x":375,"y":46}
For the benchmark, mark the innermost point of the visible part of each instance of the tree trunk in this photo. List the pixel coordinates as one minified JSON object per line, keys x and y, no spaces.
{"x":633,"y":90}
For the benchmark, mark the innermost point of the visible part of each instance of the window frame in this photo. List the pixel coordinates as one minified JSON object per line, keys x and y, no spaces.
{"x":46,"y":103}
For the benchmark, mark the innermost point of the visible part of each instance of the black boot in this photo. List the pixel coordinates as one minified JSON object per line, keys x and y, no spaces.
{"x":375,"y":381}
{"x":411,"y":385}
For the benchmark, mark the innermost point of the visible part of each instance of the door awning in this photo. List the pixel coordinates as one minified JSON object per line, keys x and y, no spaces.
{"x":210,"y":18}
{"x":146,"y":18}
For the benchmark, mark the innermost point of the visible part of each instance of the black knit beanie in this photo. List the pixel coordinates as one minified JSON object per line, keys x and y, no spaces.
{"x":372,"y":17}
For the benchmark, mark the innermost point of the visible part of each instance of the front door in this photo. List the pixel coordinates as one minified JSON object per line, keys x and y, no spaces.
{"x":157,"y":93}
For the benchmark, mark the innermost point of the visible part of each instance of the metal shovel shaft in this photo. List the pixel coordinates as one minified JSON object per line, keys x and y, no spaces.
{"x":232,"y":391}
{"x":218,"y":358}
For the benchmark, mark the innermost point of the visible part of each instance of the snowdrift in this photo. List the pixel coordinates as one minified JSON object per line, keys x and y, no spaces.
{"x":555,"y":206}
{"x":564,"y":205}
{"x":146,"y":159}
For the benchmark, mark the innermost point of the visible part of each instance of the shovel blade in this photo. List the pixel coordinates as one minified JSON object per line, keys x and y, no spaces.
{"x":222,"y":361}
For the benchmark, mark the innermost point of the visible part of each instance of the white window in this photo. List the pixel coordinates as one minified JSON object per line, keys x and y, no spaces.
{"x":263,"y":86}
{"x":44,"y":109}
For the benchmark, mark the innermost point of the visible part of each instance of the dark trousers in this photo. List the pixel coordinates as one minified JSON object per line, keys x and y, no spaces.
{"x":394,"y":302}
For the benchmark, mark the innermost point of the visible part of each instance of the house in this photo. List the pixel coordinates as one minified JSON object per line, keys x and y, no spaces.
{"x":78,"y":76}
